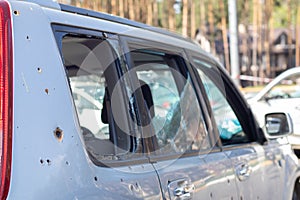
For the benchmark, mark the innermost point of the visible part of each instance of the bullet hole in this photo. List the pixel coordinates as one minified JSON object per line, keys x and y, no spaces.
{"x":27,"y":37}
{"x":48,"y":161}
{"x":16,"y":12}
{"x":122,"y":180}
{"x":95,"y":178}
{"x":42,"y":161}
{"x":211,"y":195}
{"x":47,"y":91}
{"x":228,"y":181}
{"x":131,"y":187}
{"x":67,"y":163}
{"x":39,"y":70}
{"x":59,"y":134}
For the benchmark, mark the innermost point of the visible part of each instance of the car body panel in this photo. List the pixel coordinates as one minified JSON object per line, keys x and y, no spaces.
{"x":44,"y":167}
{"x":211,"y":175}
{"x":48,"y":166}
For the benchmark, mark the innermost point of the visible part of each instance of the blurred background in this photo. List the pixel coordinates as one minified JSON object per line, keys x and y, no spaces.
{"x":267,"y":31}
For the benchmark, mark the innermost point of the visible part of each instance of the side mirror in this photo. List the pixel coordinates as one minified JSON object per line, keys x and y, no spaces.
{"x":278,"y":125}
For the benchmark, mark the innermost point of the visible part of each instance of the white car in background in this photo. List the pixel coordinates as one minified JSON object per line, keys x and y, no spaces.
{"x":281,"y":95}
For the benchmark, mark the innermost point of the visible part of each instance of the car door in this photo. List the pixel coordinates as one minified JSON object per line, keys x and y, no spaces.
{"x":183,"y":152}
{"x":117,"y":168}
{"x":258,"y":167}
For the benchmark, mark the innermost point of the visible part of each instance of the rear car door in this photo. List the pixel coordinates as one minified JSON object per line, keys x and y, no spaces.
{"x":178,"y":135}
{"x":258,"y":166}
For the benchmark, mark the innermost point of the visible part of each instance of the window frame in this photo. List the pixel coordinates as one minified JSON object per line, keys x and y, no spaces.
{"x":60,"y":31}
{"x":127,"y":42}
{"x":234,"y":98}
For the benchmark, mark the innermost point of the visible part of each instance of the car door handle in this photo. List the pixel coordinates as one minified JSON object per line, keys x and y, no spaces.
{"x":184,"y":190}
{"x":243,"y":172}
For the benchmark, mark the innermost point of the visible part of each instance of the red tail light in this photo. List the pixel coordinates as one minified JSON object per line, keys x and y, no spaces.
{"x":5,"y":97}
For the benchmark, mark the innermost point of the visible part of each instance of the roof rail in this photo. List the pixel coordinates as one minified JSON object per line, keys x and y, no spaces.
{"x":45,"y":3}
{"x":112,"y":18}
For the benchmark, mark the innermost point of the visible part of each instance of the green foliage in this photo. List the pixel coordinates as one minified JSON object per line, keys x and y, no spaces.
{"x":280,"y":15}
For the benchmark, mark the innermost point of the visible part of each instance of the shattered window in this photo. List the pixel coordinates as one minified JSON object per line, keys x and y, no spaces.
{"x":175,"y":113}
{"x":93,"y":75}
{"x":228,"y":124}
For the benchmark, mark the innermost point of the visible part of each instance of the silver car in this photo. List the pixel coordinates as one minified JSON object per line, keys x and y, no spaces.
{"x":95,"y":106}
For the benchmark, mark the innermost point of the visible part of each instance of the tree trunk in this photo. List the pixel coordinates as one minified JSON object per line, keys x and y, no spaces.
{"x":155,"y":13}
{"x":268,"y":15}
{"x":245,"y":21}
{"x":121,"y":8}
{"x":85,"y":4}
{"x":131,"y":9}
{"x":137,"y":10}
{"x":171,"y":10}
{"x":143,"y":10}
{"x":73,"y":2}
{"x":261,"y":40}
{"x":224,"y":34}
{"x":202,"y":17}
{"x":149,"y":12}
{"x":298,"y":36}
{"x":114,"y":7}
{"x":289,"y":19}
{"x":185,"y":12}
{"x":108,"y":6}
{"x":165,"y":13}
{"x":193,"y":18}
{"x":254,"y":66}
{"x":126,"y":9}
{"x":211,"y":27}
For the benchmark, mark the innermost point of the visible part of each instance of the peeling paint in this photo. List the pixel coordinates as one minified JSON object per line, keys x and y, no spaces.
{"x":59,"y":134}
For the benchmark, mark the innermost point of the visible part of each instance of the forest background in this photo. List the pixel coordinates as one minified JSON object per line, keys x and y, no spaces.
{"x":257,"y":19}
